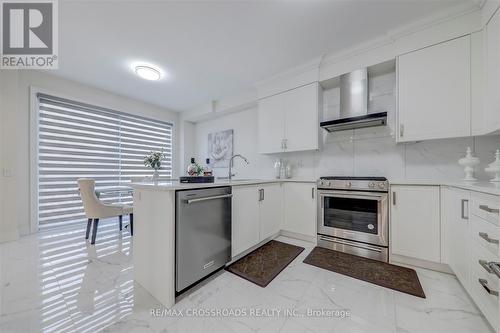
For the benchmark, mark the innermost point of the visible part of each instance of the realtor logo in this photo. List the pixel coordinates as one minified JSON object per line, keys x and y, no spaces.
{"x":29,"y":34}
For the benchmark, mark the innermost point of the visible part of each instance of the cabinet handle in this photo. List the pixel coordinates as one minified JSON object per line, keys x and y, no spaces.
{"x":491,"y":267}
{"x":463,"y":209}
{"x":261,"y":196}
{"x":487,"y":238}
{"x":484,"y":283}
{"x":401,"y":130}
{"x":394,"y":198}
{"x":495,"y":267}
{"x":285,"y":143}
{"x":485,"y":265}
{"x":488,"y":209}
{"x":312,"y":192}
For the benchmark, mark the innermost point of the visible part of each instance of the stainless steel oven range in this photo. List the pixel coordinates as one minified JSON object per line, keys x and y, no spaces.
{"x":353,"y":215}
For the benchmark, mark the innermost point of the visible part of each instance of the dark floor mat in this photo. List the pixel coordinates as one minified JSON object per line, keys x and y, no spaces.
{"x":380,"y":273}
{"x":263,"y":264}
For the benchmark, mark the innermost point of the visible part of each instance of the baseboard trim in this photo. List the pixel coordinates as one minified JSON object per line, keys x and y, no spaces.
{"x":397,"y":259}
{"x":291,"y":234}
{"x":256,"y":246}
{"x":9,"y":237}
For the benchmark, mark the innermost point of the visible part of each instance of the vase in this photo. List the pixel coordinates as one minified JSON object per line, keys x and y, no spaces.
{"x":469,"y":162}
{"x":156,"y":175}
{"x":494,"y":168}
{"x":277,"y":167}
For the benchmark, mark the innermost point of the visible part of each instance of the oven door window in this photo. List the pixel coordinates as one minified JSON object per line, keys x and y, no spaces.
{"x":351,"y":214}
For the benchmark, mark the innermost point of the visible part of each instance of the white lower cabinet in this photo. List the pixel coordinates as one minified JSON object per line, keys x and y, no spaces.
{"x":455,"y":231}
{"x":245,"y":222}
{"x":484,"y":238}
{"x":299,"y":208}
{"x":483,"y":283}
{"x":415,"y":222}
{"x":471,"y":244}
{"x":469,"y":241}
{"x":257,"y":215}
{"x":271,"y":210}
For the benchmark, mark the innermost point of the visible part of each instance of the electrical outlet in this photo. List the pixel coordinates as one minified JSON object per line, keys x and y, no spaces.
{"x":8,"y":172}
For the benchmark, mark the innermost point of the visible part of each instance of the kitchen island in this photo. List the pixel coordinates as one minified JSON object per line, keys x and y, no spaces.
{"x":154,"y":227}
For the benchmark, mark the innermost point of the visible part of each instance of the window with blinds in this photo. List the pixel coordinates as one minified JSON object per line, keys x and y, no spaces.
{"x":77,"y":140}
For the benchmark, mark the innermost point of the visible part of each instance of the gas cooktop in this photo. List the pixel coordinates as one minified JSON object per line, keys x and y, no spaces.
{"x":378,"y":179}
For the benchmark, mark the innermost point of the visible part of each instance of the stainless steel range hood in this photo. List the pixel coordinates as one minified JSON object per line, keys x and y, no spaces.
{"x":354,"y":104}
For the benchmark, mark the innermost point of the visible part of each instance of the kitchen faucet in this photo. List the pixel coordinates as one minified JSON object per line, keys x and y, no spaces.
{"x":231,"y":162}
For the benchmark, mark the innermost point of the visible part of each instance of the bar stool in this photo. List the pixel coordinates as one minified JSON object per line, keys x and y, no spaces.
{"x":95,"y":209}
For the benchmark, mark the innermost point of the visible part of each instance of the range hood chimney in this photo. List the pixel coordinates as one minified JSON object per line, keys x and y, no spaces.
{"x":354,"y":104}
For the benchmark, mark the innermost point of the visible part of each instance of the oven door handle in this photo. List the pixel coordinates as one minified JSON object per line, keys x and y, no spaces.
{"x":378,"y":197}
{"x":352,"y":243}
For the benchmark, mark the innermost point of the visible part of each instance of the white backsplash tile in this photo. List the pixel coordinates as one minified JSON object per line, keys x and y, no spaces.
{"x":436,"y":159}
{"x":485,"y":147}
{"x":378,"y":157}
{"x":336,"y":158}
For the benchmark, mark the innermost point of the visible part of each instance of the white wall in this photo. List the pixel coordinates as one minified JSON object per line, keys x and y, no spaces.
{"x":9,"y":155}
{"x":244,"y":124}
{"x":1,"y":158}
{"x":362,"y":152}
{"x":187,"y":143}
{"x":16,"y":135}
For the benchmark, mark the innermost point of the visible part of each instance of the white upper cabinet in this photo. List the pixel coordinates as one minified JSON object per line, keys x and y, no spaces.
{"x":491,"y":113}
{"x":289,"y":121}
{"x":271,"y":124}
{"x":301,"y":118}
{"x":434,"y":92}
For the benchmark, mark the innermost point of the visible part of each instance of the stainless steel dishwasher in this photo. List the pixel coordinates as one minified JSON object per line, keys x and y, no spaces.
{"x":202,"y":233}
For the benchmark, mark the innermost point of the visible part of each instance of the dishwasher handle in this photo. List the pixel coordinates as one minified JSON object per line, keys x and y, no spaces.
{"x":190,"y":201}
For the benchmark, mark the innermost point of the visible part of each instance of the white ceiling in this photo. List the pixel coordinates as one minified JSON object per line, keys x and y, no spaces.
{"x":214,"y":49}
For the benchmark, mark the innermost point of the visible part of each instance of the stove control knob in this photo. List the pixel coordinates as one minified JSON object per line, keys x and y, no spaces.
{"x":348,"y":184}
{"x":371,"y":185}
{"x":381,"y":186}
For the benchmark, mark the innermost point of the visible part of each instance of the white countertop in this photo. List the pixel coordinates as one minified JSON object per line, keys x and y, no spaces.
{"x":478,"y":186}
{"x":176,"y":185}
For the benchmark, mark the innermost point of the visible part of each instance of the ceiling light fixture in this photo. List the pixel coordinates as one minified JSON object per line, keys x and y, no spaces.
{"x":148,"y":72}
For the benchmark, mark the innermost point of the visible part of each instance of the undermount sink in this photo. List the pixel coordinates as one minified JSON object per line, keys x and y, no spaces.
{"x":245,"y":179}
{"x":238,"y":179}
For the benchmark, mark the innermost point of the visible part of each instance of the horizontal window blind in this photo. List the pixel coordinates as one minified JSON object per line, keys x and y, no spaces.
{"x":77,"y":140}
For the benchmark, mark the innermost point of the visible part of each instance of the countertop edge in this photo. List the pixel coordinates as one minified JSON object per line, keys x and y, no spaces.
{"x":174,"y":186}
{"x":478,"y":186}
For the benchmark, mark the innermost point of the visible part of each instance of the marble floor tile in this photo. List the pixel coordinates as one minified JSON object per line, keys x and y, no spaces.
{"x":55,"y":281}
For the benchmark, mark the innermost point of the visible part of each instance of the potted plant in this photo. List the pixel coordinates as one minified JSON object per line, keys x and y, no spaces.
{"x":153,"y":161}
